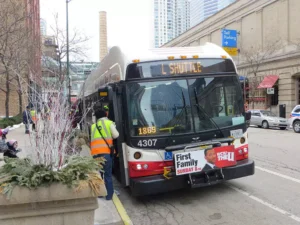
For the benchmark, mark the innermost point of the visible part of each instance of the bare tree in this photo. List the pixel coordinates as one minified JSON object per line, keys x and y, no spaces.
{"x":77,"y":46}
{"x":21,"y":66}
{"x":253,"y":58}
{"x":14,"y":47}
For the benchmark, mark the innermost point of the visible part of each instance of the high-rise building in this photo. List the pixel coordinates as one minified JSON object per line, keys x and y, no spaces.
{"x":171,"y":18}
{"x":202,"y":9}
{"x":43,"y":27}
{"x":102,"y":35}
{"x":224,"y":3}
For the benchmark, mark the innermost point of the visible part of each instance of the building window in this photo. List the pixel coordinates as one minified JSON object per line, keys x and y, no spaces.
{"x":256,"y":94}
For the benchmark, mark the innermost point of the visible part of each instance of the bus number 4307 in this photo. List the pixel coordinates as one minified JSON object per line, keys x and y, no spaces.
{"x":147,"y":143}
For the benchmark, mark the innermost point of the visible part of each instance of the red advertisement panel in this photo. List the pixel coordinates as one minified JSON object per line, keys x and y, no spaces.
{"x":225,"y":156}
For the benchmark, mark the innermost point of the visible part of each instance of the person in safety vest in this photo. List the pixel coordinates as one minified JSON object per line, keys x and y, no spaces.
{"x":102,"y":146}
{"x":106,"y":109}
{"x":33,"y":117}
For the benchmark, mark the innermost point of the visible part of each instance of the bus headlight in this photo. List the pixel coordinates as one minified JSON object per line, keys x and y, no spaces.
{"x":137,"y":155}
{"x":242,"y":140}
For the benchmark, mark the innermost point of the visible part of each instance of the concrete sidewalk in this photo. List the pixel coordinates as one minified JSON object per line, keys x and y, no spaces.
{"x":106,"y":214}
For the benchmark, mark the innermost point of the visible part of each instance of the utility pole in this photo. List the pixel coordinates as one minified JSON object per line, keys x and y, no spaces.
{"x":68,"y":68}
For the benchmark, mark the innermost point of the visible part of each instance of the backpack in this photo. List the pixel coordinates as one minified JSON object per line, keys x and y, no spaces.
{"x":3,"y":146}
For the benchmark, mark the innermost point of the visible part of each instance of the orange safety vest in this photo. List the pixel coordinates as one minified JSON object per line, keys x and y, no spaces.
{"x":98,"y":145}
{"x":33,"y":115}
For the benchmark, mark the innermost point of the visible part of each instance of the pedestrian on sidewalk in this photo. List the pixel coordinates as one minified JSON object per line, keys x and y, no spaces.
{"x":3,"y":145}
{"x":33,"y":114}
{"x":4,"y":132}
{"x":10,"y":148}
{"x":27,"y":120}
{"x":102,"y":134}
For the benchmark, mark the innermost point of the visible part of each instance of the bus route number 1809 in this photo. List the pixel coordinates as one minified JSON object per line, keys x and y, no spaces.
{"x":147,"y":143}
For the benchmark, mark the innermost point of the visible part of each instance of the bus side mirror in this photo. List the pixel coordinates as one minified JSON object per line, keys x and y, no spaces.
{"x":248,"y":116}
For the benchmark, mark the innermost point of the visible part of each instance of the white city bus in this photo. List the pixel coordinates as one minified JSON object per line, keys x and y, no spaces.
{"x":180,"y":114}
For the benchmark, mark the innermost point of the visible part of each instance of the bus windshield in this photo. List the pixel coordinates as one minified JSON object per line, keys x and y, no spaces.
{"x":183,"y":106}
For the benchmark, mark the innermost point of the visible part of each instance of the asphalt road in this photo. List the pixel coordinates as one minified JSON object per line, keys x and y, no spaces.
{"x":271,"y":196}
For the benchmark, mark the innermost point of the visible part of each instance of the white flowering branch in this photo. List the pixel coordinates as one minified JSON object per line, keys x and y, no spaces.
{"x":51,"y":141}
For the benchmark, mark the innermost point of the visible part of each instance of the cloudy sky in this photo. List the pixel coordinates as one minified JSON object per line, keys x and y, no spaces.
{"x":129,"y":21}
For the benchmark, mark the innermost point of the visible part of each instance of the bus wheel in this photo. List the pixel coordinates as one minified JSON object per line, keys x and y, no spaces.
{"x":265,"y":124}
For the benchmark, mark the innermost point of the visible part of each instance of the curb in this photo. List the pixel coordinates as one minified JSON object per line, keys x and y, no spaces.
{"x":121,"y":210}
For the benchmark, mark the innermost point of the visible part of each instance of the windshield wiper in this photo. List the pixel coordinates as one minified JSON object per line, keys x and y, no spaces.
{"x":200,"y":108}
{"x":173,"y":132}
{"x":185,"y":107}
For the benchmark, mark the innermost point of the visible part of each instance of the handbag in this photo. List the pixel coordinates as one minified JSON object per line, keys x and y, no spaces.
{"x":111,"y":147}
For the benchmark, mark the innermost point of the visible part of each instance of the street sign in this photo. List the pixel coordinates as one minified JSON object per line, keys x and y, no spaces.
{"x":231,"y":51}
{"x":229,"y":38}
{"x":270,"y":91}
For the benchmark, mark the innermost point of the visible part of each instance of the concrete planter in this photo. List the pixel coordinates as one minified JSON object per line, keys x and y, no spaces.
{"x":56,"y":204}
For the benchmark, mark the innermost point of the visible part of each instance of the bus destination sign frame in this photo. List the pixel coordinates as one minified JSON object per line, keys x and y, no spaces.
{"x":179,"y":67}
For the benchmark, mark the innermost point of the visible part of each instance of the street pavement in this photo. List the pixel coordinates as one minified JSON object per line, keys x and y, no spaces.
{"x":270,"y":197}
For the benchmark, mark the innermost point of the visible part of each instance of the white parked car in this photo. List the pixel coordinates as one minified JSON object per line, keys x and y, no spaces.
{"x":294,"y":120}
{"x":266,"y":119}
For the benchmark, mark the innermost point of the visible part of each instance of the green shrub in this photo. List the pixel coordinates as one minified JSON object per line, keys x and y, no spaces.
{"x":6,"y":122}
{"x":18,"y":118}
{"x":22,"y":172}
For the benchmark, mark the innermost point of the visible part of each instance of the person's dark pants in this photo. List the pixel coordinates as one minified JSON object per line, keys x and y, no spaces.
{"x":27,"y":125}
{"x":107,"y":175}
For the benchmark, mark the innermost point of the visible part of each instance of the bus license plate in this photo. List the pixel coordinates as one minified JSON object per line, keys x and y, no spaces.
{"x":236,"y":133}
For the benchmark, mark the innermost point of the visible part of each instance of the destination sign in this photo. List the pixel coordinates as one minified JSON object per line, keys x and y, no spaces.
{"x":183,"y":67}
{"x":147,"y":130}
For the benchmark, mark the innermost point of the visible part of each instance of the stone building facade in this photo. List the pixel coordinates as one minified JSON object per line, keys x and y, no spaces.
{"x":268,"y":43}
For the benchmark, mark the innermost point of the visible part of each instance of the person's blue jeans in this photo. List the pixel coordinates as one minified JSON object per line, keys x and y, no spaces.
{"x":27,"y":126}
{"x":107,"y":175}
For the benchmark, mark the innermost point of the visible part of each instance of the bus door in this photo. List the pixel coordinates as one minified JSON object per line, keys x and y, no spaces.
{"x":111,"y":97}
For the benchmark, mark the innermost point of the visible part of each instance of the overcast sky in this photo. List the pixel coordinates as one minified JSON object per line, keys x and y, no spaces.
{"x":129,"y":22}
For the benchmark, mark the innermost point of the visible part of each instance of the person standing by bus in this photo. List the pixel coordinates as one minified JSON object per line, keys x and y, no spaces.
{"x":106,"y":109}
{"x":102,"y":134}
{"x":27,"y":120}
{"x":33,"y":117}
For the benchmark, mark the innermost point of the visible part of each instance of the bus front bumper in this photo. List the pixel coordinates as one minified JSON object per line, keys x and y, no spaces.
{"x":159,"y":184}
